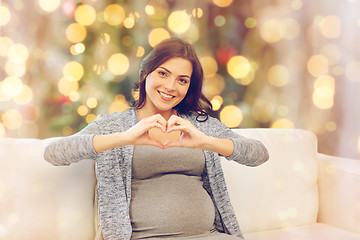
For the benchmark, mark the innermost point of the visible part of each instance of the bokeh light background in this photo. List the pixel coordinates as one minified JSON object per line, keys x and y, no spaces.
{"x":268,"y":64}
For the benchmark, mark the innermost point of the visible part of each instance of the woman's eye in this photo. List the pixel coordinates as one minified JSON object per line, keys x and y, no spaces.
{"x":162,"y":74}
{"x":183,"y":81}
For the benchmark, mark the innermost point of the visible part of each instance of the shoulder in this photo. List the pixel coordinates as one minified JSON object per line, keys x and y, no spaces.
{"x":123,"y":118}
{"x":203,"y":121}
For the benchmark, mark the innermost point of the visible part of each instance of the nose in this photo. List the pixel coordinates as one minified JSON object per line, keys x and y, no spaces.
{"x":170,"y":84}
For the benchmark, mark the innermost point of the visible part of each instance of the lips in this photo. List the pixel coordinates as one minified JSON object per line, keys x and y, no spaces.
{"x":165,"y":96}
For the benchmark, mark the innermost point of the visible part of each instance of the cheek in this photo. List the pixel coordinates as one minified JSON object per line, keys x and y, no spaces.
{"x":149,"y":84}
{"x":184,"y":91}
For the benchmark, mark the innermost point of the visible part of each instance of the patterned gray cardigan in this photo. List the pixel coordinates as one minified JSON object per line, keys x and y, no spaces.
{"x":114,"y":169}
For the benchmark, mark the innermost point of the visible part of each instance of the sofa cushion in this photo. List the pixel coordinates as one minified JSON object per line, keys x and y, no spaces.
{"x":317,"y":231}
{"x":39,"y":200}
{"x":281,"y":192}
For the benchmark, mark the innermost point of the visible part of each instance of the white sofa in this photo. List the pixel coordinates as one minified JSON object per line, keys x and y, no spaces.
{"x":297,"y":194}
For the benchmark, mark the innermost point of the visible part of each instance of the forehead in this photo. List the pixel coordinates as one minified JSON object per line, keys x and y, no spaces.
{"x":178,"y":66}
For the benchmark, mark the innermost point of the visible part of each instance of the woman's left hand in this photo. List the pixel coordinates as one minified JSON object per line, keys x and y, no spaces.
{"x":190,"y":136}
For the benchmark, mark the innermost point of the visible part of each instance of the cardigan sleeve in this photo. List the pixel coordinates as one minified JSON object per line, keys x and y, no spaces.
{"x":247,"y":151}
{"x":64,"y":151}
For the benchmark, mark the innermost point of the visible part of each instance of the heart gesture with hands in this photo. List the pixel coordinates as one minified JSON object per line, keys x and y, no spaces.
{"x":190,"y":136}
{"x":156,"y":131}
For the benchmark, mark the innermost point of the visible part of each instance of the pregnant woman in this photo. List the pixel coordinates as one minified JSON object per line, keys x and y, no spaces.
{"x":158,"y":163}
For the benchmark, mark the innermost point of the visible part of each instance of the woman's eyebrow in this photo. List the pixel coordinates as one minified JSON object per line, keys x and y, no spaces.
{"x":167,"y":70}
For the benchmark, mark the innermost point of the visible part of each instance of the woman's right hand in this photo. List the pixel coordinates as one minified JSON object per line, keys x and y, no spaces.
{"x":139,"y":134}
{"x":136,"y":135}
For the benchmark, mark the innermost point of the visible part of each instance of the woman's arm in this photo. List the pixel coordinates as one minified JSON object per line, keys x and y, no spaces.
{"x":247,"y":151}
{"x":223,"y":146}
{"x":66,"y":150}
{"x":89,"y":141}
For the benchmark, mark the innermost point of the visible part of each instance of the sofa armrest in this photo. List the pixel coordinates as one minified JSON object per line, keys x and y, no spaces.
{"x":339,"y":192}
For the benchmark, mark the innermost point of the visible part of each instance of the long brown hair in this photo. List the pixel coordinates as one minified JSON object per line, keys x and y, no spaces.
{"x":162,"y":52}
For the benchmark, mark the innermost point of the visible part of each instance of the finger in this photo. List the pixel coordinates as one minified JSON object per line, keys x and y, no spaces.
{"x":174,"y":121}
{"x":172,"y":144}
{"x":177,"y":128}
{"x":159,"y":118}
{"x":158,"y":125}
{"x":156,"y":144}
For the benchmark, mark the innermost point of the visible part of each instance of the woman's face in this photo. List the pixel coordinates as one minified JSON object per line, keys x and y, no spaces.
{"x":168,"y":84}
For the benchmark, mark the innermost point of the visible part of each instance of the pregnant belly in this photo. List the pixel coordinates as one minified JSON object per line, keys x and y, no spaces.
{"x":173,"y":204}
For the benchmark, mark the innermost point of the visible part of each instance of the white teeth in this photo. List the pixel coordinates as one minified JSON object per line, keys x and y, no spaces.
{"x":165,"y":95}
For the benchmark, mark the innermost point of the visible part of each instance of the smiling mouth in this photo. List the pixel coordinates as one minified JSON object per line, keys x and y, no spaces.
{"x":166,"y":96}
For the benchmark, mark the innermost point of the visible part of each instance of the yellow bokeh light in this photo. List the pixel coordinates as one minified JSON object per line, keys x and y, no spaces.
{"x":85,"y":15}
{"x":135,"y":94}
{"x":352,"y":71}
{"x":5,"y":44}
{"x":140,"y":51}
{"x":119,"y":104}
{"x":91,"y":117}
{"x":129,"y":22}
{"x":157,"y":35}
{"x":318,"y":65}
{"x":271,"y":31}
{"x":5,"y":15}
{"x":118,"y":64}
{"x":283,"y":123}
{"x":157,"y":9}
{"x":99,"y":68}
{"x":25,"y":96}
{"x":323,"y":97}
{"x":82,"y":110}
{"x":216,"y":102}
{"x":278,"y":75}
{"x":209,"y":65}
{"x":73,"y":70}
{"x":197,"y":12}
{"x":179,"y":21}
{"x":114,"y":14}
{"x":18,"y":53}
{"x":3,"y":97}
{"x":92,"y":102}
{"x":49,"y":5}
{"x":149,"y":10}
{"x":330,"y":27}
{"x":250,"y":22}
{"x":238,"y":67}
{"x":222,"y":3}
{"x":331,"y":126}
{"x":358,"y":144}
{"x":77,"y":48}
{"x":12,"y":119}
{"x":15,"y":69}
{"x":67,"y":86}
{"x":231,"y":116}
{"x":12,"y":86}
{"x":213,"y":86}
{"x":104,"y":38}
{"x":74,"y":96}
{"x":75,"y":32}
{"x":325,"y":81}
